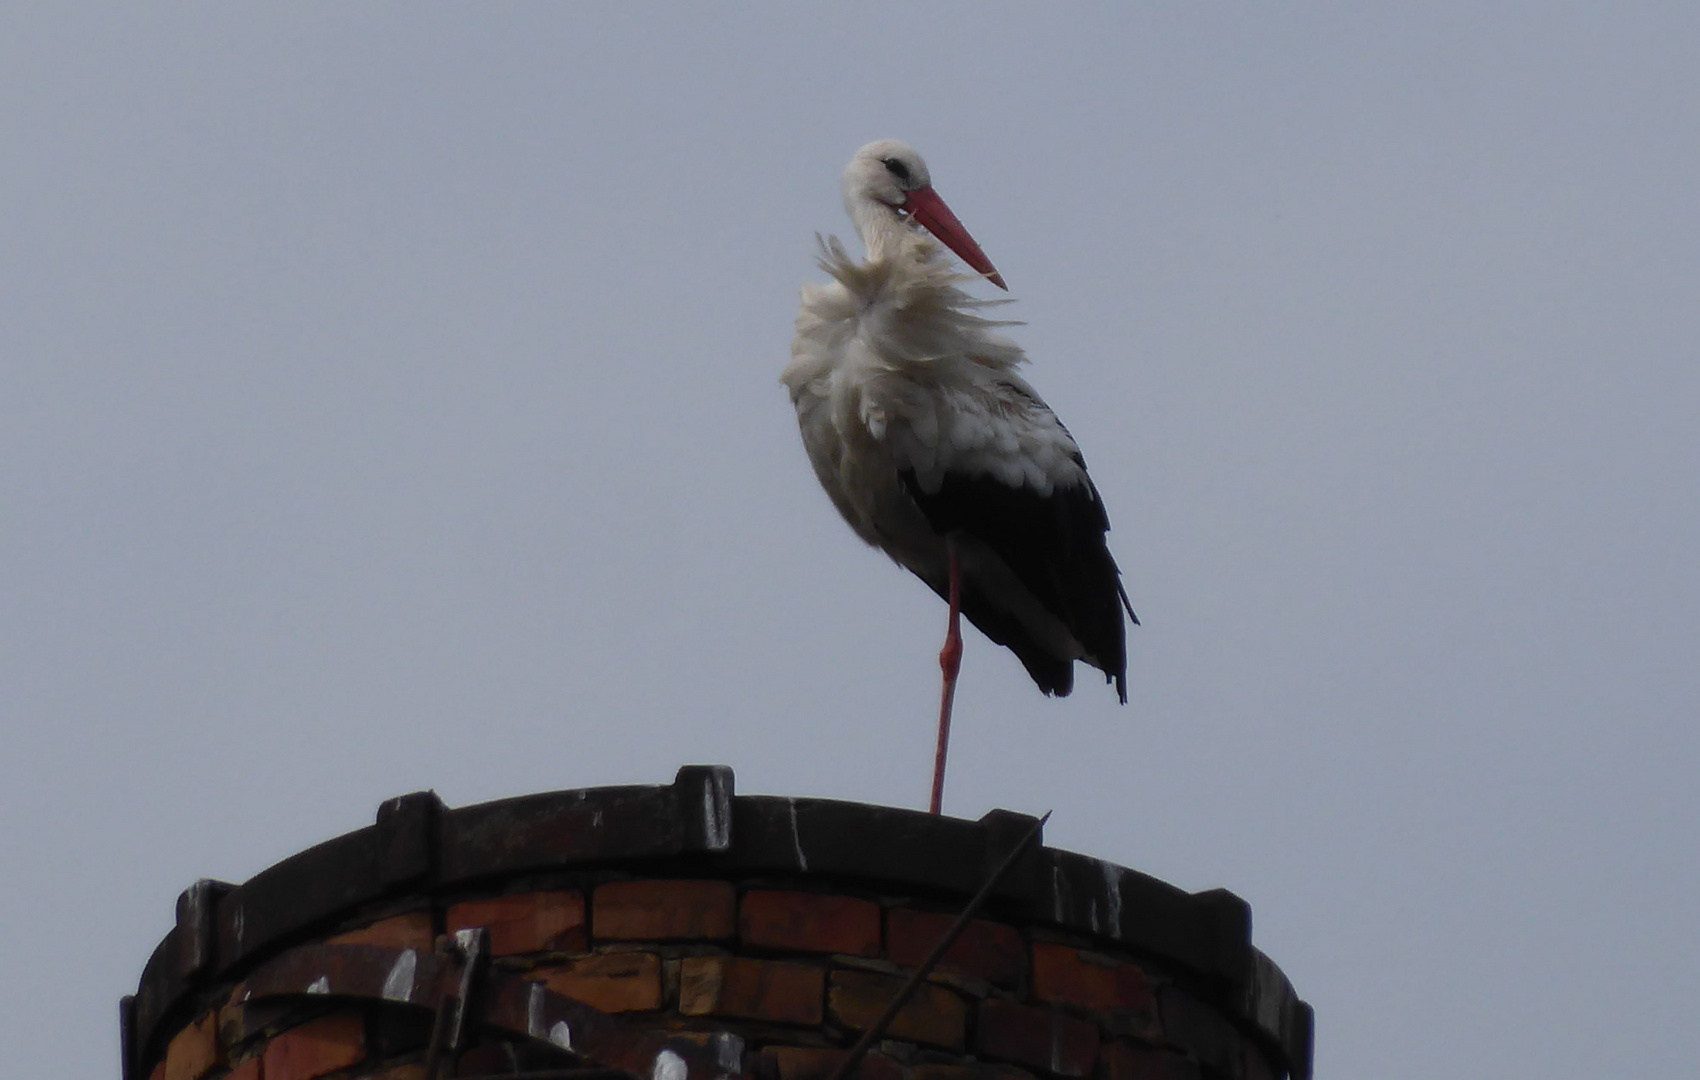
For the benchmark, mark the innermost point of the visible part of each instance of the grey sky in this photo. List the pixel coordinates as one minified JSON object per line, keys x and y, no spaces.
{"x":388,"y":400}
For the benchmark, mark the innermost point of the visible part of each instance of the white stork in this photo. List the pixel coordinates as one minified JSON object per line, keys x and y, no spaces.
{"x":937,"y":452}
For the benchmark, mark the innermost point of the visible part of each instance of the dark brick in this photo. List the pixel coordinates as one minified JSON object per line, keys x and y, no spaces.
{"x":1063,"y":975}
{"x":986,"y":950}
{"x":934,"y":1015}
{"x":809,"y":1063}
{"x":1120,"y":1061}
{"x":1037,"y":1038}
{"x":525,"y":922}
{"x":751,"y":989}
{"x":809,"y":922}
{"x":663,"y":910}
{"x":1200,"y":1030}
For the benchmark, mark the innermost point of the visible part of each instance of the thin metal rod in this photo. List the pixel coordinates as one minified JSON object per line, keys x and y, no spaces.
{"x":950,"y":663}
{"x":860,"y":1050}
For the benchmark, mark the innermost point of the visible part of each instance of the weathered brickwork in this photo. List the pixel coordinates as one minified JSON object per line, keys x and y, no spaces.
{"x":986,"y":950}
{"x":751,"y":989}
{"x":1042,"y":1039}
{"x":1201,"y":1031}
{"x":810,"y":1063}
{"x":410,"y":931}
{"x":526,"y":923}
{"x":611,"y":982}
{"x":1123,"y":1061}
{"x":664,"y":910}
{"x":809,"y":922}
{"x":1014,"y":1007}
{"x":935,"y":1016}
{"x":739,"y":969}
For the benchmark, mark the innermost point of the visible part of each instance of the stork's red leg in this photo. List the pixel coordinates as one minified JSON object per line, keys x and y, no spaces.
{"x":950,"y":662}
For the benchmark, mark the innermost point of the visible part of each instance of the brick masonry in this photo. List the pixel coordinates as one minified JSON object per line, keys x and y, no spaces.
{"x":1123,"y":1061}
{"x":986,"y":950}
{"x":812,"y":1063}
{"x":751,"y":989}
{"x":795,"y":966}
{"x":526,"y":923}
{"x":610,"y":982}
{"x":809,"y":922}
{"x":410,"y":931}
{"x":935,"y":1016}
{"x":1044,"y":1039}
{"x":1117,"y":990}
{"x":1012,"y":1005}
{"x":665,"y":910}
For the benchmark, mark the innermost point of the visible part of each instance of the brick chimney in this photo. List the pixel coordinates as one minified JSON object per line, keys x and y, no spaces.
{"x":678,"y":932}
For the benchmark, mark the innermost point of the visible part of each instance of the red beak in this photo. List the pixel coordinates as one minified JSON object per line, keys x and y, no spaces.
{"x":925,"y":206}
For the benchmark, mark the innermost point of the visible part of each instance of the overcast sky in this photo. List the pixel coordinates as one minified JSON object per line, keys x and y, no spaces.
{"x":388,"y":401}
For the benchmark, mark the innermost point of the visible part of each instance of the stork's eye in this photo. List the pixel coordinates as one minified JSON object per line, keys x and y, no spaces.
{"x":897,"y":169}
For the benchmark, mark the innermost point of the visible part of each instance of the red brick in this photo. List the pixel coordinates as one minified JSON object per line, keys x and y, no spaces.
{"x":810,"y":922}
{"x":525,"y":922}
{"x":612,"y":982}
{"x":315,"y":1048}
{"x":194,"y":1051}
{"x":248,"y":1070}
{"x":751,"y":989}
{"x":1086,"y":980}
{"x":410,"y":931}
{"x":986,"y":950}
{"x":809,"y":1063}
{"x":934,"y":1015}
{"x":1119,"y":1061}
{"x":1037,"y":1038}
{"x":664,"y":910}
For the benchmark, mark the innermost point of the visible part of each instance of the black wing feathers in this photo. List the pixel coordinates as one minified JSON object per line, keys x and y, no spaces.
{"x":1053,"y":674}
{"x":1054,"y":545}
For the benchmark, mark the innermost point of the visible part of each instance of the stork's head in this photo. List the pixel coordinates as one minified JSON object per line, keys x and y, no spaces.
{"x":889,"y":178}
